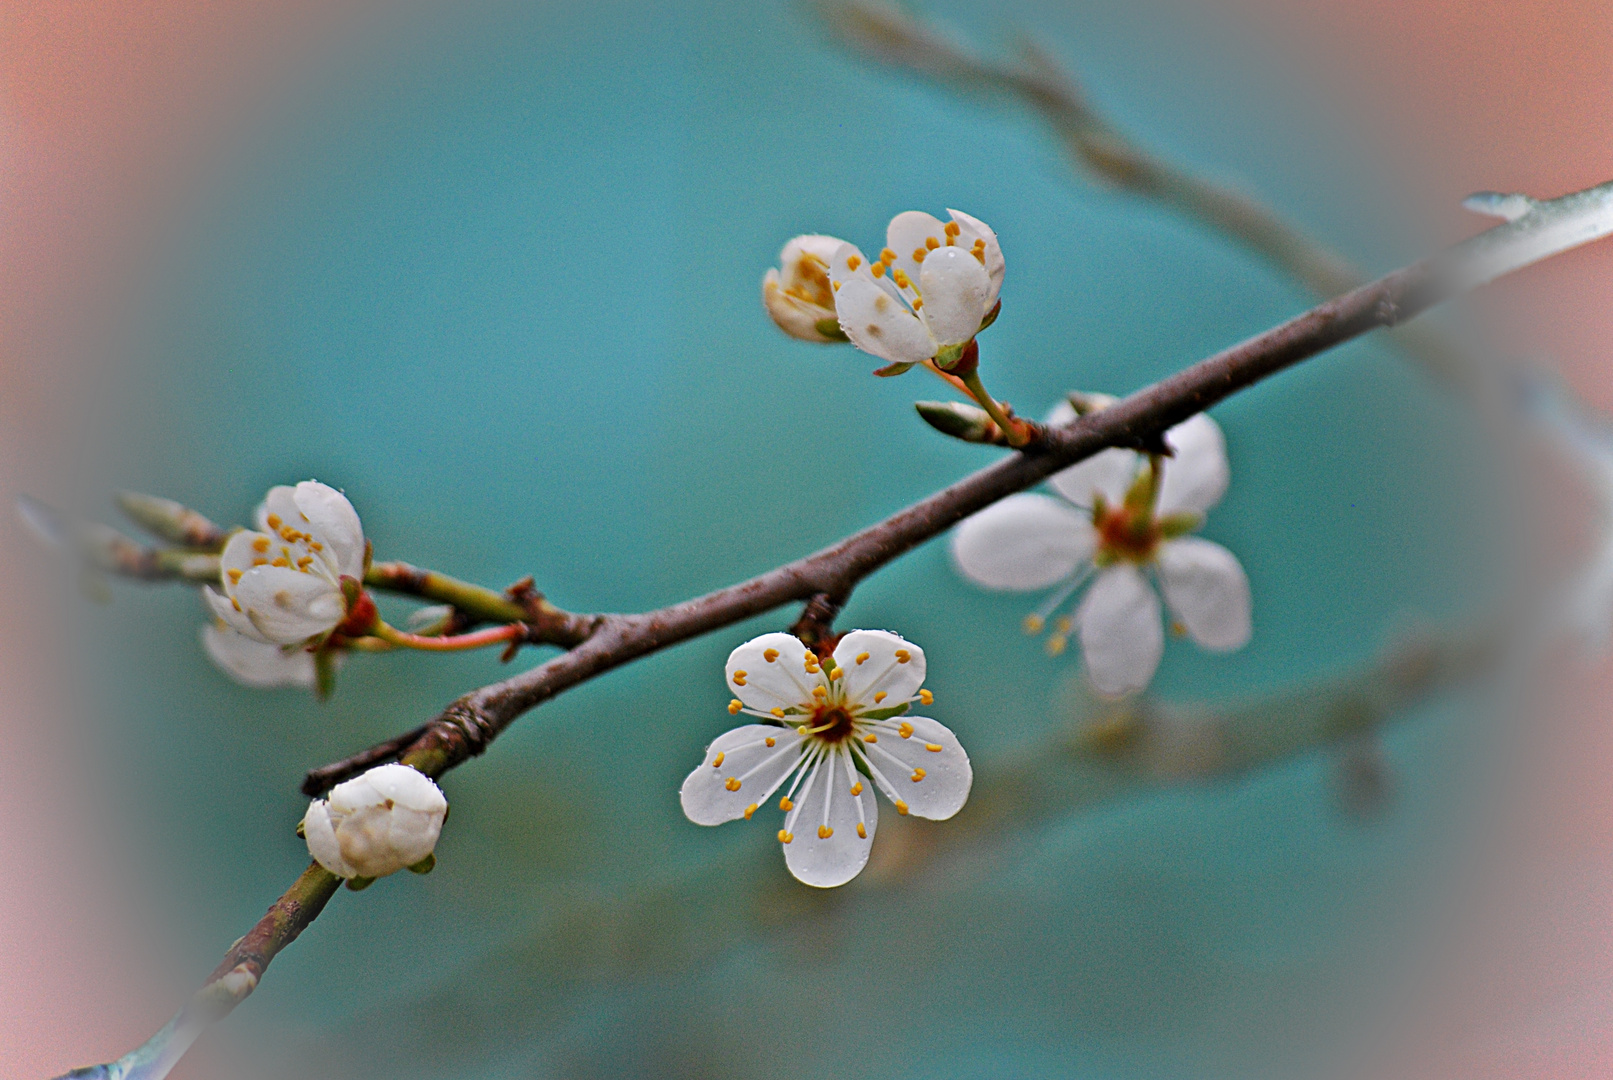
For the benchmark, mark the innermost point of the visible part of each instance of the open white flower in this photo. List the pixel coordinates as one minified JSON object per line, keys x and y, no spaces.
{"x":1125,"y":526}
{"x":258,"y":664}
{"x":376,"y":824}
{"x":282,"y":583}
{"x":828,"y":724}
{"x":798,"y":297}
{"x":927,"y":295}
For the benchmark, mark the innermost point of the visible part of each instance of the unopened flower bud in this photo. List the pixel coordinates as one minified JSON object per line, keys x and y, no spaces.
{"x":172,"y":521}
{"x":961,"y":421}
{"x":376,"y":824}
{"x":797,"y":295}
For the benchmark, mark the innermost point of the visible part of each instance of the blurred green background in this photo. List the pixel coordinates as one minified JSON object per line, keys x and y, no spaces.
{"x":494,"y":271}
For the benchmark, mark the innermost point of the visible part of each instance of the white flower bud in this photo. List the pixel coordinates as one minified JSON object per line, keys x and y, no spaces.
{"x":797,"y":293}
{"x":376,"y":824}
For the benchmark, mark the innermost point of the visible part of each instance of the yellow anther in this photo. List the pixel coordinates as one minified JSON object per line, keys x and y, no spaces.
{"x":824,"y":832}
{"x":952,"y":228}
{"x":716,"y":762}
{"x":771,"y":740}
{"x":778,"y":712}
{"x":906,"y":730}
{"x":273,"y":521}
{"x":980,"y":243}
{"x":733,"y":782}
{"x":901,"y":807}
{"x":862,"y":657}
{"x":880,"y":695}
{"x":926,"y":698}
{"x":818,"y":692}
{"x":282,"y":562}
{"x":900,"y":277}
{"x":980,"y":255}
{"x":770,"y":655}
{"x":784,"y":837}
{"x":1063,"y":625}
{"x":739,"y":677}
{"x":1033,"y":624}
{"x":836,"y":285}
{"x":234,"y":574}
{"x":931,"y":242}
{"x":259,"y":562}
{"x":316,"y":546}
{"x":749,"y":810}
{"x":903,"y":656}
{"x":934,"y":748}
{"x":261,"y":544}
{"x":1178,"y":629}
{"x":918,"y":774}
{"x":289,"y":535}
{"x":919,"y":253}
{"x":836,"y":673}
{"x":918,"y":303}
{"x":862,"y":831}
{"x":304,"y":562}
{"x":734,"y":706}
{"x":857,"y":788}
{"x":785,"y":804}
{"x":1055,"y":644}
{"x":878,"y":269}
{"x":853,"y":261}
{"x":236,"y":602}
{"x":887,"y":255}
{"x":870,"y":737}
{"x":809,"y":657}
{"x":814,"y":670}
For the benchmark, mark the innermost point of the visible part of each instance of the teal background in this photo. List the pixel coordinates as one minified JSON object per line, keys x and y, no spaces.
{"x":494,"y":271}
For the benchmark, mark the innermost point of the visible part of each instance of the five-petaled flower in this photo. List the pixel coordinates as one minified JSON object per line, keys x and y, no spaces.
{"x":1130,"y":518}
{"x":376,"y":824}
{"x":797,"y":293}
{"x":283,"y":582}
{"x":931,"y":290}
{"x":829,"y":725}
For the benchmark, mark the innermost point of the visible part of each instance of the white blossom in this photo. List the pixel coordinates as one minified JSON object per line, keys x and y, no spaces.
{"x":254,"y":663}
{"x":376,"y":824}
{"x":926,"y":295}
{"x":797,"y":294}
{"x":282,"y":582}
{"x":1119,"y":526}
{"x":827,"y":725}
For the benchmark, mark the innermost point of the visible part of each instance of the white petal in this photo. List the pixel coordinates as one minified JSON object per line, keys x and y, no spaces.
{"x":241,"y":550}
{"x":321,"y":837}
{"x":1023,"y":542}
{"x":256,"y":663}
{"x":746,"y":757}
{"x":955,"y":286}
{"x":875,"y":662}
{"x":281,"y":502}
{"x":332,"y":521}
{"x":879,"y":324}
{"x":973,"y":228}
{"x":791,"y":314}
{"x":827,"y":804}
{"x":1196,"y":477}
{"x":1208,"y":591}
{"x":407,"y":787}
{"x":1121,"y":635}
{"x":1109,"y":472}
{"x":766,"y":684}
{"x":942,"y":787}
{"x":289,"y":606}
{"x":235,"y":620}
{"x":907,"y":233}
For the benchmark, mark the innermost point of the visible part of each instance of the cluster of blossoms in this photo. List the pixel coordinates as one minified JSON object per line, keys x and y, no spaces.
{"x":932,"y":288}
{"x":286,"y":585}
{"x":1122,"y":519}
{"x":827,"y":725}
{"x":376,"y":824}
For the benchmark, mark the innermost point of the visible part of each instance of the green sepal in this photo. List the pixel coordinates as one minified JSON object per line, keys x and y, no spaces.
{"x":424,"y":866}
{"x":359,"y":884}
{"x":991,"y":316}
{"x":830,"y":328}
{"x":886,"y":714}
{"x":891,"y":369}
{"x":950,"y":354}
{"x":1178,"y":524}
{"x":302,"y":833}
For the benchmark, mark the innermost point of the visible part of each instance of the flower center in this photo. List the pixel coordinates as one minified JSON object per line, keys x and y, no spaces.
{"x":830,"y":724}
{"x":1125,"y":534}
{"x":812,"y":282}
